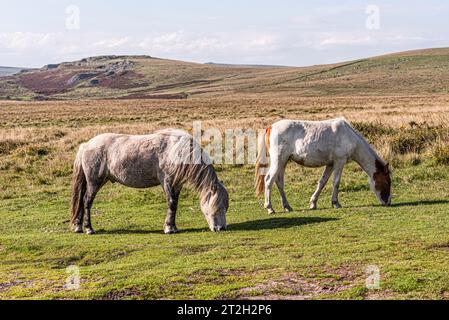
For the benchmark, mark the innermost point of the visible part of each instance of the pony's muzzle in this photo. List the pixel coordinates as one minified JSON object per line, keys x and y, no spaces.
{"x":219,"y":229}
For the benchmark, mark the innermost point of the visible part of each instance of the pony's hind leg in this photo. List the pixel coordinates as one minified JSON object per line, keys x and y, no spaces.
{"x":321,"y":184}
{"x":279,"y":157}
{"x":280,"y":184}
{"x":269,"y":181}
{"x":89,"y":197}
{"x":172,"y":194}
{"x":77,"y":225}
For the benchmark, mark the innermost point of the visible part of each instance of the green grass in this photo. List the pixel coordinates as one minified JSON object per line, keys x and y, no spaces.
{"x":317,"y":254}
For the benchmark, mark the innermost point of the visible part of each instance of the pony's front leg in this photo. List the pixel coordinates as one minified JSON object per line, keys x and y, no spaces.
{"x":172,"y":194}
{"x":321,"y":184}
{"x":338,"y":171}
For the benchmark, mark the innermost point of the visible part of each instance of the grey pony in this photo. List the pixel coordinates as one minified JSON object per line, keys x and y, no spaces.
{"x":170,"y":158}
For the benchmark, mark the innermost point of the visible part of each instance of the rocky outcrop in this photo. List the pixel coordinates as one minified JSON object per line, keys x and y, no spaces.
{"x":80,"y":77}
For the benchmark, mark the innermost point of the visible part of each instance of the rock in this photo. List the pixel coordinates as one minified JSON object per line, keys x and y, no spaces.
{"x":80,"y":77}
{"x":52,"y":66}
{"x":40,"y":98}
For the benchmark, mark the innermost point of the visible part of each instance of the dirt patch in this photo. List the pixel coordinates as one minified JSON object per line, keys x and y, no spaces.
{"x":177,"y":288}
{"x":216,"y":276}
{"x":195,"y":249}
{"x":292,"y":286}
{"x":92,"y":259}
{"x":121,"y":294}
{"x":439,"y":246}
{"x":5,"y":286}
{"x":378,"y":295}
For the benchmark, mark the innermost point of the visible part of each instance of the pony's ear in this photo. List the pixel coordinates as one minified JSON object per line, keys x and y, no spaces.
{"x":387,"y":167}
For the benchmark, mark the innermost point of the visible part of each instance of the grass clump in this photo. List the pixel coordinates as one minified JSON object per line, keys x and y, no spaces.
{"x":372,"y":130}
{"x":8,"y":145}
{"x":413,"y":140}
{"x":441,"y":154}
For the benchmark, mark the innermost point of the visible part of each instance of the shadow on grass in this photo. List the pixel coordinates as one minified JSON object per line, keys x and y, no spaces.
{"x":419,"y":203}
{"x":277,"y":223}
{"x":400,"y":204}
{"x":136,"y":231}
{"x":254,"y":225}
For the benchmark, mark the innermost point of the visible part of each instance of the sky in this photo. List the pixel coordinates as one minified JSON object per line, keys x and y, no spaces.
{"x":282,"y":32}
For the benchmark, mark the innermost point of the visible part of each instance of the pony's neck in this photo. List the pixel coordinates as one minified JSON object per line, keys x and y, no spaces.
{"x":366,"y":157}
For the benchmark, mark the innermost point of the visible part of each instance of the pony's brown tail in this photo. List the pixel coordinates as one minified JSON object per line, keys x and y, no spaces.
{"x":262,"y":161}
{"x":78,"y":189}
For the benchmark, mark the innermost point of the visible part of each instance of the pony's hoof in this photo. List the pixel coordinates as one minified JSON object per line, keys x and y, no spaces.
{"x":170,"y":230}
{"x":271,"y":211}
{"x":90,"y":231}
{"x":77,"y":229}
{"x":288,"y":209}
{"x":336,"y":205}
{"x":313,"y":206}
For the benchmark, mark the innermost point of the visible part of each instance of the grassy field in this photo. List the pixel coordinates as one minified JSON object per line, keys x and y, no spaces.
{"x":300,"y":255}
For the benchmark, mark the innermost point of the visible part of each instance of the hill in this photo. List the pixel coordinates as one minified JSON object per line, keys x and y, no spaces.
{"x":6,"y":71}
{"x":405,"y":73}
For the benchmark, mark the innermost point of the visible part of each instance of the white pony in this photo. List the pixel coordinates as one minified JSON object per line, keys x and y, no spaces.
{"x":329,"y":143}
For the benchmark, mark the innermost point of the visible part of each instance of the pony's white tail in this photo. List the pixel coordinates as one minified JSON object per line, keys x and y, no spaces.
{"x":262,"y":161}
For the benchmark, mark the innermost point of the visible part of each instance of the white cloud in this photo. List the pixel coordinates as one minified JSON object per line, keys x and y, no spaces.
{"x":363,"y":38}
{"x":111,"y":43}
{"x":347,"y":39}
{"x":69,"y":49}
{"x":26,"y":40}
{"x":178,"y":42}
{"x":264,"y":46}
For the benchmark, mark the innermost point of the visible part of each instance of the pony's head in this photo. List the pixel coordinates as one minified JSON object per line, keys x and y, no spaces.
{"x":381,"y":183}
{"x":214,"y":205}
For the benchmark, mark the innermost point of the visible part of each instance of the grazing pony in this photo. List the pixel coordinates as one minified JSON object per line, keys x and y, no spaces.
{"x":170,"y":158}
{"x":329,"y":143}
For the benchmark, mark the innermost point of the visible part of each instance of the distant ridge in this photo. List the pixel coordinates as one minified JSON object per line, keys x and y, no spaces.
{"x":7,"y":71}
{"x":230,"y":65}
{"x":418,"y":72}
